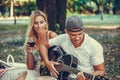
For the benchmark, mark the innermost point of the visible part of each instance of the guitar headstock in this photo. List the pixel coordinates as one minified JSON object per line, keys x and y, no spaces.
{"x":100,"y":78}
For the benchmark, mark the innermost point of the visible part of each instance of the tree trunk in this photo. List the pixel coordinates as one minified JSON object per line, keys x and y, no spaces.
{"x":101,"y":8}
{"x":11,"y":9}
{"x":56,"y":12}
{"x":61,"y":13}
{"x":40,"y":4}
{"x":51,"y":13}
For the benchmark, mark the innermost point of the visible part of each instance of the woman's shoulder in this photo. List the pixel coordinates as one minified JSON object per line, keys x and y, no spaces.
{"x":51,"y":34}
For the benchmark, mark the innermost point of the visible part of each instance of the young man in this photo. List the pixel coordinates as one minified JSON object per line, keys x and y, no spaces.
{"x":76,"y":42}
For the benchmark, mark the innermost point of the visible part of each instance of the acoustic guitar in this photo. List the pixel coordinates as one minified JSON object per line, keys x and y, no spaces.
{"x":67,"y":64}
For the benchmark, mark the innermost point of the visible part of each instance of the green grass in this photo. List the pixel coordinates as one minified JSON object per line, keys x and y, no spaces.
{"x":11,"y":41}
{"x":15,"y":34}
{"x":95,"y":20}
{"x":108,"y":20}
{"x":12,"y":27}
{"x":12,"y":38}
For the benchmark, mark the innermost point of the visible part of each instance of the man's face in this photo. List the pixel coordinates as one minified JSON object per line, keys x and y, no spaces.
{"x":75,"y":37}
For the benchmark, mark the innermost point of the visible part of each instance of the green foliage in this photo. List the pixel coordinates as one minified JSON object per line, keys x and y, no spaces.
{"x":57,"y":27}
{"x":93,"y":6}
{"x":28,"y":7}
{"x":116,"y":5}
{"x":2,"y":9}
{"x":77,"y":5}
{"x":25,"y":9}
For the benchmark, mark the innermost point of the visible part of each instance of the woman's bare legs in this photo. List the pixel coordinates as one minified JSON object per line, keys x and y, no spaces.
{"x":44,"y":78}
{"x":22,"y":76}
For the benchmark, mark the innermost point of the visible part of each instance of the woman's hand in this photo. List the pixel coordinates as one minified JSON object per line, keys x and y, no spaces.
{"x":53,"y":71}
{"x":29,"y":49}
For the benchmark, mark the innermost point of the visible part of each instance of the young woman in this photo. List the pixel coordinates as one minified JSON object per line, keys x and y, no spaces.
{"x":37,"y":33}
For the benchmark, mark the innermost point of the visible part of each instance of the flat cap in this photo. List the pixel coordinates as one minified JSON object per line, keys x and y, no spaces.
{"x":74,"y":23}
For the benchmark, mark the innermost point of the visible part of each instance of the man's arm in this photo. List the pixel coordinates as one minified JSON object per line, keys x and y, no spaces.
{"x":99,"y":70}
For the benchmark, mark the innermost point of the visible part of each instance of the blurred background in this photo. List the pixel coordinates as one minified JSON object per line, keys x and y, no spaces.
{"x":101,"y":19}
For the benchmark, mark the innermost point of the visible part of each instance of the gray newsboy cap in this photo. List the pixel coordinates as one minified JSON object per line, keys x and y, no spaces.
{"x":74,"y":22}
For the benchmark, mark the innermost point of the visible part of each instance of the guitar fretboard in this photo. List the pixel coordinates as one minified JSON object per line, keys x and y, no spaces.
{"x":75,"y":71}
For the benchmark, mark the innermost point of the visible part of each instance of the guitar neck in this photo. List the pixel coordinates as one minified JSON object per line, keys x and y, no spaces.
{"x":69,"y":69}
{"x":75,"y":71}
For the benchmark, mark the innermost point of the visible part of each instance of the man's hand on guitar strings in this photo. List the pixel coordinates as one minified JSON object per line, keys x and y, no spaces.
{"x":80,"y":76}
{"x":53,"y":71}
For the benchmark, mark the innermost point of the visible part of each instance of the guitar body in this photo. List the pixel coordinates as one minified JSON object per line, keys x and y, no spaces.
{"x":57,"y":54}
{"x":53,"y":53}
{"x":67,"y":64}
{"x":69,"y":60}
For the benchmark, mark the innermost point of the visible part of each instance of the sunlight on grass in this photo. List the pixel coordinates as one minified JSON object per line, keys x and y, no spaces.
{"x":13,"y":27}
{"x":108,"y":20}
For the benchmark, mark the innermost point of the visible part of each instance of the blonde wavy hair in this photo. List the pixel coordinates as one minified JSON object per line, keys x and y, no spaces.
{"x":30,"y":31}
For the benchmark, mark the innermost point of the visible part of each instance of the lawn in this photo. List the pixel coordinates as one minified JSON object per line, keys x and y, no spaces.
{"x":95,"y":20}
{"x":12,"y":38}
{"x":108,"y":20}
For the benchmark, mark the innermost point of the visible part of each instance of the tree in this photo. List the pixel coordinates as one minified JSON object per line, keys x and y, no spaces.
{"x":99,"y":4}
{"x":12,"y":9}
{"x":101,"y":8}
{"x":116,"y":8}
{"x":56,"y":12}
{"x":4,"y":4}
{"x":2,"y":8}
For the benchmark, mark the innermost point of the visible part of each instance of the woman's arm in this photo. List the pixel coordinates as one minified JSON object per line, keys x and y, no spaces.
{"x":30,"y":58}
{"x":43,"y":51}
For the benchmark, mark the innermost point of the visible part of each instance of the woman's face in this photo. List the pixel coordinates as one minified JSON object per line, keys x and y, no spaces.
{"x":39,"y":24}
